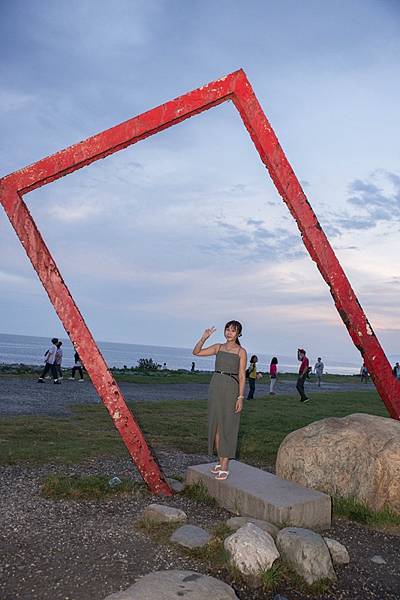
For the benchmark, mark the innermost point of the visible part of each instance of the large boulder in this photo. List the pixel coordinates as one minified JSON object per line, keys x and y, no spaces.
{"x":356,"y":456}
{"x":307,"y":553}
{"x":170,"y":585}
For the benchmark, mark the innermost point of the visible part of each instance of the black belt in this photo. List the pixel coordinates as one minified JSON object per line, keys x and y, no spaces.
{"x":233,"y":375}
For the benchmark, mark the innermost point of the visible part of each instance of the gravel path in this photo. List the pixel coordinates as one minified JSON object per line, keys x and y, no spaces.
{"x":24,"y":396}
{"x":68,"y":550}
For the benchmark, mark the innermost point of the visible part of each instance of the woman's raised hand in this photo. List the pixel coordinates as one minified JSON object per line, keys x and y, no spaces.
{"x":208,"y":332}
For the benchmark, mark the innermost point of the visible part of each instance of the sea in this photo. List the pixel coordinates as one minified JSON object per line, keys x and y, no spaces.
{"x":29,"y":350}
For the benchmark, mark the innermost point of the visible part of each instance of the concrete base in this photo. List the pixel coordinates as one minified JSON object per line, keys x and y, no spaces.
{"x":255,"y":493}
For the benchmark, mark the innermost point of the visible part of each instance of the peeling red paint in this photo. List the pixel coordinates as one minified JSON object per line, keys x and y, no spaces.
{"x":237,"y":88}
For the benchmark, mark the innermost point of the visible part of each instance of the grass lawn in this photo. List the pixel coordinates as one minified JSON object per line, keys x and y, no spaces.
{"x":89,"y":432}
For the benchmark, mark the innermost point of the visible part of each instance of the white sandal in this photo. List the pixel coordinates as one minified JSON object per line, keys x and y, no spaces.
{"x":222,"y":475}
{"x":216,"y":469}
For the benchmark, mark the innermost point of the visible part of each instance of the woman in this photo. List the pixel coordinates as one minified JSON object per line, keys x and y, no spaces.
{"x":252,"y":376}
{"x":226,"y":394}
{"x":273,"y":372}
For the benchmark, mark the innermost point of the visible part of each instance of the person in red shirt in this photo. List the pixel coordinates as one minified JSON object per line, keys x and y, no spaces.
{"x":303,"y":372}
{"x":273,"y":372}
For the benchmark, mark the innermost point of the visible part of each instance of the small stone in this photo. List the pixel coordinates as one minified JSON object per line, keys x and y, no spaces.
{"x":252,"y":550}
{"x":339,"y":553}
{"x":237,"y":522}
{"x":190,"y":536}
{"x":378,"y":560}
{"x":161,"y":513}
{"x":170,"y":585}
{"x":114,"y":481}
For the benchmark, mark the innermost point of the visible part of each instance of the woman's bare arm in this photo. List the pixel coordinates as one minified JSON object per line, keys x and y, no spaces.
{"x":198,"y":350}
{"x":242,"y":379}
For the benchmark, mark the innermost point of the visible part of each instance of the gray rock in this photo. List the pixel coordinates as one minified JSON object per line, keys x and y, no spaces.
{"x":170,"y":585}
{"x":339,"y":553}
{"x":236,"y":522}
{"x":190,"y":536}
{"x":378,"y":560}
{"x":252,"y":550}
{"x":161,"y":513}
{"x":279,"y":597}
{"x":307,"y":553}
{"x":176,"y":485}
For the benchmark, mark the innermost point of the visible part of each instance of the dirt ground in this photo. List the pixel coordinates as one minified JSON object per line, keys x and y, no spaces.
{"x":86,"y":550}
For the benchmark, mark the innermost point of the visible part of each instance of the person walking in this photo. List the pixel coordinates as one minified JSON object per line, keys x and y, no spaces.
{"x":273,"y":374}
{"x":58,"y":360}
{"x":319,"y":370}
{"x":303,"y":372}
{"x":77,"y":367}
{"x":252,"y":376}
{"x":364,"y":374}
{"x":396,"y":370}
{"x":225,"y":395}
{"x":50,"y":357}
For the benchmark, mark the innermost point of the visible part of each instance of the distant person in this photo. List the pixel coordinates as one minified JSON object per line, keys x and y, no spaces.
{"x":252,"y":376}
{"x":193,"y":367}
{"x":50,"y":357}
{"x":396,"y":370}
{"x":58,"y":360}
{"x":319,"y":370}
{"x":364,"y":374}
{"x":303,"y":373}
{"x":164,"y":366}
{"x":77,"y":367}
{"x":273,"y":374}
{"x":225,"y":394}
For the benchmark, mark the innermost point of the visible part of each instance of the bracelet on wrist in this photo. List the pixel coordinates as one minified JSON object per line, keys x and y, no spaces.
{"x":240,"y":397}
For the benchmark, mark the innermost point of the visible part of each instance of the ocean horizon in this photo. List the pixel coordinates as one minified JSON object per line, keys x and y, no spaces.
{"x":29,"y":350}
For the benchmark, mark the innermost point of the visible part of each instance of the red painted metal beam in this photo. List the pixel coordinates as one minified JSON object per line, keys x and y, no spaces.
{"x":237,"y":88}
{"x":317,"y":244}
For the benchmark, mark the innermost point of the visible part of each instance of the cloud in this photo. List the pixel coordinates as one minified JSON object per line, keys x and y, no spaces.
{"x":252,"y":241}
{"x":73,"y":212}
{"x":377,"y":200}
{"x":11,"y":100}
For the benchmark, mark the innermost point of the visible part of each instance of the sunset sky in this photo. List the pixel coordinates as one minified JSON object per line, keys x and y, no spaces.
{"x":185,"y":230}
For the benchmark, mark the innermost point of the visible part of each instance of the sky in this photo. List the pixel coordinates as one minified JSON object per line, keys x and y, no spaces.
{"x":185,"y":230}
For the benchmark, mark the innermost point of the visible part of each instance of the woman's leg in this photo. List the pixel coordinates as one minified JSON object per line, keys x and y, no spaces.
{"x":223,"y":461}
{"x":272,"y":385}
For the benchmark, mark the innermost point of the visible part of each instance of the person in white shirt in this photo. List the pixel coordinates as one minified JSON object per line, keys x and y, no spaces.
{"x":58,"y":360}
{"x":50,"y":357}
{"x":319,"y":370}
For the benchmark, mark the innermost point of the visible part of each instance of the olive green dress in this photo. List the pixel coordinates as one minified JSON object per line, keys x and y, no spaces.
{"x":222,"y":396}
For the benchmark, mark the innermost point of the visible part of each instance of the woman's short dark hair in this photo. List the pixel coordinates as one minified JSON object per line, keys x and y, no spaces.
{"x":236,"y":325}
{"x":254,"y":358}
{"x":274,"y":360}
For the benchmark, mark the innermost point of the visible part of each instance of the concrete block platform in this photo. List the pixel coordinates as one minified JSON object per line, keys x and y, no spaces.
{"x":255,"y":493}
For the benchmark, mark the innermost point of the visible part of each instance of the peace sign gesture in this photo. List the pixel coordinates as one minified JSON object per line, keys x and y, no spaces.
{"x":208,"y":332}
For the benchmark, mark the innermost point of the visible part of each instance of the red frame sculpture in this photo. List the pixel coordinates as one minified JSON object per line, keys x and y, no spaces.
{"x":237,"y":88}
